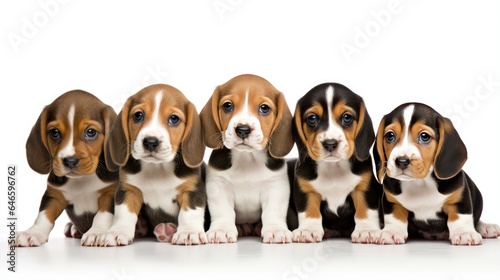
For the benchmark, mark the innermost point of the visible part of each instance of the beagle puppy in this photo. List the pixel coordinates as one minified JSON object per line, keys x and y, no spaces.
{"x":157,"y":142}
{"x":419,"y":158}
{"x":334,"y":190}
{"x":67,"y":142}
{"x":247,"y":123}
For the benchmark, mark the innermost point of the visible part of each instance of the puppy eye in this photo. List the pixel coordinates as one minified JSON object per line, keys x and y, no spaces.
{"x":228,"y":107}
{"x":424,"y":138}
{"x":90,"y":134}
{"x":174,"y":120}
{"x":390,"y":137}
{"x":347,"y":119}
{"x":312,"y":120}
{"x":264,"y":109}
{"x":138,"y":117}
{"x":55,"y":134}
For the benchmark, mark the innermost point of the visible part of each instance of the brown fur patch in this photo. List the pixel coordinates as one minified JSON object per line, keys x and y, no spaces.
{"x":185,"y":190}
{"x":106,"y":198}
{"x":358,"y":196}
{"x":56,"y":205}
{"x":309,"y":135}
{"x":350,"y":133}
{"x":313,"y":199}
{"x":450,"y":205}
{"x":398,"y":211}
{"x":420,"y":167}
{"x":133,"y":198}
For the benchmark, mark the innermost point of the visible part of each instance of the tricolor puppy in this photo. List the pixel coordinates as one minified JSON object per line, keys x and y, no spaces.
{"x":419,"y":157}
{"x":67,"y":142}
{"x":334,"y":189}
{"x":157,"y":140}
{"x":248,"y":124}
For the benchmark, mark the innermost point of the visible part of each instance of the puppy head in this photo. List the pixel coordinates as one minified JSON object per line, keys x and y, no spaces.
{"x":414,"y":140}
{"x":155,"y":125}
{"x":69,"y":135}
{"x":331,"y":123}
{"x":247,"y":113}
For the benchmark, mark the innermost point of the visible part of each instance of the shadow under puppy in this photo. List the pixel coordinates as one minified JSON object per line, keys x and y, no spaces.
{"x":419,"y":157}
{"x":248,"y":124}
{"x":67,"y":142}
{"x":157,"y":142}
{"x":334,"y":191}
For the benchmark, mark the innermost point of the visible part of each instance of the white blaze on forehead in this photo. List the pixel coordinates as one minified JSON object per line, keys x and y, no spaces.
{"x":333,"y":131}
{"x":156,"y":112}
{"x":407,"y":115}
{"x":69,"y":149}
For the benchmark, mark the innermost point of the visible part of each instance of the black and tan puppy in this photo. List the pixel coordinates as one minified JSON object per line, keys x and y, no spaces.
{"x":419,"y":157}
{"x":67,"y":142}
{"x":157,"y":142}
{"x":334,"y":189}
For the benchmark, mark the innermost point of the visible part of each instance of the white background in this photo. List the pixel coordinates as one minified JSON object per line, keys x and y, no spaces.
{"x":435,"y":52}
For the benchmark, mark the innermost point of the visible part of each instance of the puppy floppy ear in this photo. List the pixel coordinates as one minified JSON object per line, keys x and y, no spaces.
{"x":210,"y":122}
{"x":298,"y":132}
{"x":364,"y":135}
{"x":37,"y":151}
{"x":281,"y":138}
{"x":108,"y":116}
{"x":379,"y":152}
{"x":193,"y":148}
{"x":118,"y":144}
{"x":451,"y":152}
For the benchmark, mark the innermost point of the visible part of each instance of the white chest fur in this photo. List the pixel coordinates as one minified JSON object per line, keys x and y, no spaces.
{"x":83,"y":193}
{"x":158,"y":184}
{"x":422,"y":198}
{"x":248,"y":183}
{"x":335,"y":182}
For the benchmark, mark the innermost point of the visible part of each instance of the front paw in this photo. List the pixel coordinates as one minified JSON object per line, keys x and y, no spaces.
{"x":391,"y":236}
{"x":222,"y":234}
{"x":466,"y":237}
{"x":189,"y":236}
{"x":276,"y":235}
{"x":91,"y":237}
{"x":308,"y":234}
{"x":488,"y":230}
{"x":115,"y":237}
{"x":364,"y":235}
{"x":30,"y":239}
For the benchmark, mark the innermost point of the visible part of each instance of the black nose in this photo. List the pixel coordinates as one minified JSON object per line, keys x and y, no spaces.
{"x":151,"y":143}
{"x":70,"y":162}
{"x":402,"y":162}
{"x":243,"y":131}
{"x":330,"y":145}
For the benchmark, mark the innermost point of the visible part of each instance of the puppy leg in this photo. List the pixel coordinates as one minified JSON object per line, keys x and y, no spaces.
{"x":488,"y":230}
{"x":128,"y":203}
{"x":275,"y":199}
{"x":367,"y":213}
{"x":310,"y":229}
{"x":462,"y":231}
{"x":221,"y":204}
{"x":103,"y":219}
{"x":308,"y":202}
{"x":190,"y":230}
{"x":395,"y":229}
{"x":53,"y":203}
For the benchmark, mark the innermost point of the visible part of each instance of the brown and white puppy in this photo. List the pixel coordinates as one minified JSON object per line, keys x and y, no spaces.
{"x":67,"y":143}
{"x":248,"y":124}
{"x":334,"y":188}
{"x":419,"y":157}
{"x":157,"y":141}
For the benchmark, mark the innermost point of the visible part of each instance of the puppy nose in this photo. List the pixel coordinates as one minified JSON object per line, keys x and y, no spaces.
{"x":151,"y":143}
{"x":70,"y":162}
{"x":243,"y":131}
{"x":330,"y":145}
{"x":402,"y":162}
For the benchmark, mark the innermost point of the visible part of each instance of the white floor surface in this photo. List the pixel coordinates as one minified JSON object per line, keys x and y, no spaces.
{"x":64,"y":258}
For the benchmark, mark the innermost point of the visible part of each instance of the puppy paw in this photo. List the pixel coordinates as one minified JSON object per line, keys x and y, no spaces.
{"x":165,"y":231}
{"x":227,"y":234}
{"x":30,"y":239}
{"x":386,"y":237}
{"x":488,"y":230}
{"x":308,"y":235}
{"x":466,"y":237}
{"x":91,"y":237}
{"x":276,"y":235}
{"x":70,"y":230}
{"x":115,"y":237}
{"x":366,"y":236}
{"x":189,"y":236}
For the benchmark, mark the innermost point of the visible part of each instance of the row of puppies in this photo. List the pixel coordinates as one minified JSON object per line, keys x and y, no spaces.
{"x":149,"y":162}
